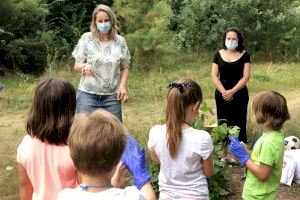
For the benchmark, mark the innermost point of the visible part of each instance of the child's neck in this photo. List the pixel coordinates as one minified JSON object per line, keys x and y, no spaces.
{"x":95,"y":183}
{"x":267,"y":129}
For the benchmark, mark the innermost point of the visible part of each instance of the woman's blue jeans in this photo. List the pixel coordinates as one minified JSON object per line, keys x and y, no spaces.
{"x":87,"y":103}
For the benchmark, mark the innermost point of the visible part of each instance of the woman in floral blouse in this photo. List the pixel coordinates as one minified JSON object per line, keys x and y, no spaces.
{"x":102,"y":59}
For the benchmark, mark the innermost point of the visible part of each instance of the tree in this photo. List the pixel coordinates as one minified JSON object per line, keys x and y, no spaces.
{"x":15,"y":17}
{"x":267,"y":25}
{"x":145,"y":24}
{"x":21,"y":20}
{"x":67,"y":20}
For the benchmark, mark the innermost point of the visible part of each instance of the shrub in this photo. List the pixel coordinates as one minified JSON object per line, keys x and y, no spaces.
{"x":29,"y":56}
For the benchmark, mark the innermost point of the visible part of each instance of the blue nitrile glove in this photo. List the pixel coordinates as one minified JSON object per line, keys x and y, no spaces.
{"x":1,"y":87}
{"x":239,"y":150}
{"x":134,"y":160}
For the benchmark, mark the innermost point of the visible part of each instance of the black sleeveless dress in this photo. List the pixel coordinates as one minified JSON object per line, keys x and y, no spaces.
{"x":234,"y":112}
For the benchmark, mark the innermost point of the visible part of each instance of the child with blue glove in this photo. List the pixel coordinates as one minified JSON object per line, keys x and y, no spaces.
{"x":98,"y":141}
{"x":265,"y":164}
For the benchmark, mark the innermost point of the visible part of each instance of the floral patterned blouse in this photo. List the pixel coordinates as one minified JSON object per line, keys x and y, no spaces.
{"x":107,"y":59}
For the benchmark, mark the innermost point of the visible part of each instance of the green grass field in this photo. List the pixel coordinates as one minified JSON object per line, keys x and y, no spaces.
{"x":146,"y":104}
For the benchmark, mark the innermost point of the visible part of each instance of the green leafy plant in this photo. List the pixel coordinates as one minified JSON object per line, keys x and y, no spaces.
{"x":154,"y":171}
{"x":219,"y":183}
{"x":205,"y":111}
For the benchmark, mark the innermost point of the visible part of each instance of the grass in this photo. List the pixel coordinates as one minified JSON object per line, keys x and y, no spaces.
{"x":146,"y":106}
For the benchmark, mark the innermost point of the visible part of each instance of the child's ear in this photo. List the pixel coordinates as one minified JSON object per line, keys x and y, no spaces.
{"x":196,"y":106}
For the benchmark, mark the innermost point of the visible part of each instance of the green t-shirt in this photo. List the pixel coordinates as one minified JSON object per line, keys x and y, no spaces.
{"x":268,"y":150}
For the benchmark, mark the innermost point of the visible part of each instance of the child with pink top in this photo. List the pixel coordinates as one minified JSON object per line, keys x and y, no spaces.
{"x":43,"y":159}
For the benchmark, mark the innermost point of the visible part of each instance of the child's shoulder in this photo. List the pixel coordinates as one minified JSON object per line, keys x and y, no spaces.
{"x":274,"y":136}
{"x":26,"y":141}
{"x":69,"y":193}
{"x":196,"y":134}
{"x":130,"y":192}
{"x":157,"y":129}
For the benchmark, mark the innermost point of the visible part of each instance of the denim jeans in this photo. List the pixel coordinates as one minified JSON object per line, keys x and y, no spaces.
{"x":87,"y":103}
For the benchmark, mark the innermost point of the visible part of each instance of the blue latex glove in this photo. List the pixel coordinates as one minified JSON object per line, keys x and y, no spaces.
{"x":134,"y":160}
{"x":239,"y":150}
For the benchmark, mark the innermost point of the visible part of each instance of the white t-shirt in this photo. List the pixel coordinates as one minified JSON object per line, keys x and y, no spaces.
{"x":182,"y":177}
{"x":288,"y":170}
{"x":291,"y":168}
{"x":128,"y":193}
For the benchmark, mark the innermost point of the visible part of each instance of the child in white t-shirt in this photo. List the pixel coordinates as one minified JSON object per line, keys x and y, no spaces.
{"x":184,"y":153}
{"x":97,"y":142}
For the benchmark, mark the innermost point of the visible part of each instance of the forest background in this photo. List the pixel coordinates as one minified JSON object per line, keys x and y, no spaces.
{"x":167,"y":39}
{"x":33,"y":32}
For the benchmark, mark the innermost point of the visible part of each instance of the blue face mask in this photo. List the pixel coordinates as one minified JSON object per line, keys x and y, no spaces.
{"x":231,"y":44}
{"x":104,"y":27}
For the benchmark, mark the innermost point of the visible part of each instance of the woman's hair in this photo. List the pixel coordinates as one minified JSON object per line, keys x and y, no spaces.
{"x":97,"y":142}
{"x":113,"y":31}
{"x":51,"y":114}
{"x":182,"y":93}
{"x":241,"y":45}
{"x":270,"y":108}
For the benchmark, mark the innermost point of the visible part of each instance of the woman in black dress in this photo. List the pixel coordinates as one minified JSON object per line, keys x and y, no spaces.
{"x":230,"y":73}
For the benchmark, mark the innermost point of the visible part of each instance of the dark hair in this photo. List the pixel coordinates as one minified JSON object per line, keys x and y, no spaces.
{"x":241,"y":45}
{"x":270,"y":108}
{"x":52,"y":111}
{"x":97,"y":142}
{"x":182,"y":93}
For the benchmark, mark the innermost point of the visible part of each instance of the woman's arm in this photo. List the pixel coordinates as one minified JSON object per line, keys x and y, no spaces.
{"x":261,"y":171}
{"x":241,"y":84}
{"x":154,"y":157}
{"x":208,"y":166}
{"x":215,"y":77}
{"x":122,"y":91}
{"x":25,"y":186}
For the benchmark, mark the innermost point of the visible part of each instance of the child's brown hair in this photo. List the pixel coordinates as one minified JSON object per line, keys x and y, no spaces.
{"x":96,"y":142}
{"x":51,"y":114}
{"x":182,"y":93}
{"x":270,"y":108}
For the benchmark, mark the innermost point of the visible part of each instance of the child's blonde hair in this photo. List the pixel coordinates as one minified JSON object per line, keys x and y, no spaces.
{"x":97,"y":142}
{"x":270,"y":108}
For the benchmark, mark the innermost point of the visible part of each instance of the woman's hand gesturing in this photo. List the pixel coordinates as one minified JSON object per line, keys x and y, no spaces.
{"x":87,"y":70}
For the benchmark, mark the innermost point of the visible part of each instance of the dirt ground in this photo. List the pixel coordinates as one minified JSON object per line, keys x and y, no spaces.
{"x":284,"y":192}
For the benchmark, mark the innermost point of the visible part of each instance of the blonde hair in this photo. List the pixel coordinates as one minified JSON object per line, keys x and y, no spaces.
{"x":182,"y":93}
{"x":270,"y":108}
{"x":97,"y":142}
{"x":113,"y":31}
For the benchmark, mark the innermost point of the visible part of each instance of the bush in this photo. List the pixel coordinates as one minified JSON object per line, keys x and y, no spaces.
{"x":6,"y":61}
{"x":29,"y":56}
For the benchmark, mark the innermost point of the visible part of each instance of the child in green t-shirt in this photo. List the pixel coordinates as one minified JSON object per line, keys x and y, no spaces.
{"x":265,"y":164}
